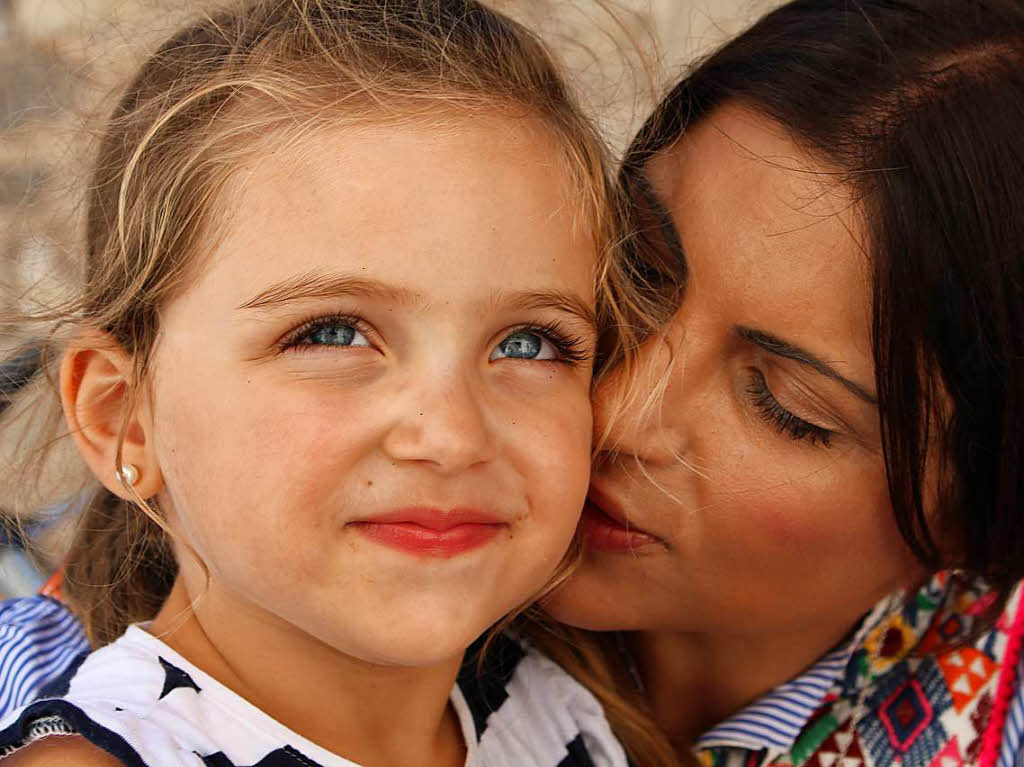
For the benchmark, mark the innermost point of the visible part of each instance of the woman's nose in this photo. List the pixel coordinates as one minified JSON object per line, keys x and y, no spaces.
{"x":441,"y":421}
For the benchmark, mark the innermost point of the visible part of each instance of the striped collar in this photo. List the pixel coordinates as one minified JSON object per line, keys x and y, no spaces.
{"x":774,"y":721}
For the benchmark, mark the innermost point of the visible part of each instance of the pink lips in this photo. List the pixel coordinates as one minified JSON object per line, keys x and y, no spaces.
{"x":606,"y":530}
{"x":432,"y":532}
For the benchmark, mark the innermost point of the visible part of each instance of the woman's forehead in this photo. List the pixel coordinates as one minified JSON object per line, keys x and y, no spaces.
{"x":772,"y":239}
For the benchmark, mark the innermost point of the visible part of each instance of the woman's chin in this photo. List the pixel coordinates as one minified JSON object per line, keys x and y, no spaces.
{"x":584,"y":602}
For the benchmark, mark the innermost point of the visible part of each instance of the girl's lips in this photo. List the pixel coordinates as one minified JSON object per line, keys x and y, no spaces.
{"x":431,"y":532}
{"x":603,"y":533}
{"x":416,"y":539}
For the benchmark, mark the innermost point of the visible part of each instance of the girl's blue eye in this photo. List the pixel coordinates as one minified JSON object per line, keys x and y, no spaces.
{"x":524,"y":345}
{"x":335,"y":334}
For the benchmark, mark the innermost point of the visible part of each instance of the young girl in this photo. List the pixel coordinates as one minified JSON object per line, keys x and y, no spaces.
{"x":331,"y":367}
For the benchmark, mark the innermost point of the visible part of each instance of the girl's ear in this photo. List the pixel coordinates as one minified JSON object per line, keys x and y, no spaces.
{"x":95,"y":388}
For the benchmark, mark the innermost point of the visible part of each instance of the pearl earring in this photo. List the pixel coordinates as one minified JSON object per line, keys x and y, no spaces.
{"x":128,"y":474}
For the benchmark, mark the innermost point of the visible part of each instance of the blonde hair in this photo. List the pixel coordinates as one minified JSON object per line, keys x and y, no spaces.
{"x":596,"y":660}
{"x":219,"y":93}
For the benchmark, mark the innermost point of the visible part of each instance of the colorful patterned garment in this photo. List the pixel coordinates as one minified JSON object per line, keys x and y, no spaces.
{"x":923,"y":683}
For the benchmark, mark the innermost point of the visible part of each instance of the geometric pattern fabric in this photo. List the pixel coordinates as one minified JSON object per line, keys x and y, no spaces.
{"x":920,"y":687}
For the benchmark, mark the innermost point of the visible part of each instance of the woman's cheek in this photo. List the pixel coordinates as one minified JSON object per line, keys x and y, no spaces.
{"x":801,"y":505}
{"x":797,"y":520}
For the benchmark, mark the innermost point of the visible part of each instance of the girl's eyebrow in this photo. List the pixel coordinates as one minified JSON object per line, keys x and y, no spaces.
{"x":317,"y":284}
{"x":557,"y":300}
{"x":785,"y":349}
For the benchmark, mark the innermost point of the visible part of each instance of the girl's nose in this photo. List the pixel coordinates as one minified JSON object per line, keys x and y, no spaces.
{"x":441,"y":421}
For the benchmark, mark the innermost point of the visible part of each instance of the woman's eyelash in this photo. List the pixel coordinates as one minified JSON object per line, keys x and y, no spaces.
{"x":293,"y":338}
{"x":787,"y":423}
{"x":571,"y":347}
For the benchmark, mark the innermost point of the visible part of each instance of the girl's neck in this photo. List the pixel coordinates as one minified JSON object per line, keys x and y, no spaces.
{"x":695,"y":681}
{"x":369,"y":714}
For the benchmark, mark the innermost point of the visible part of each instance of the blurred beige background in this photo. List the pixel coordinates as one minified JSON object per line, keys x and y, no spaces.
{"x":59,"y":60}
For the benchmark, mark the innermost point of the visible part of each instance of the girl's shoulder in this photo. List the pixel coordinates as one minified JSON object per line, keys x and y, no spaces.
{"x":106,"y":706}
{"x":71,"y":751}
{"x":143,"y":705}
{"x":146,"y":706}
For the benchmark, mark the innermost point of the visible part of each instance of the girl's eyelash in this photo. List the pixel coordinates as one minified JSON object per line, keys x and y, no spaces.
{"x":293,"y":338}
{"x":787,"y":423}
{"x":571,"y":347}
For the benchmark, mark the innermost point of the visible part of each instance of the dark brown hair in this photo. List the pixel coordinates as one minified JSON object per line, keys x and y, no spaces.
{"x":918,"y":105}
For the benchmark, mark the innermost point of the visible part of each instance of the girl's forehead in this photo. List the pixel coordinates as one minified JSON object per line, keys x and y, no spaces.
{"x":438,"y":210}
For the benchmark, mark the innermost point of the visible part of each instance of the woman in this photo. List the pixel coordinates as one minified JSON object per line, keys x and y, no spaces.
{"x":792,"y":534}
{"x":840,"y":396}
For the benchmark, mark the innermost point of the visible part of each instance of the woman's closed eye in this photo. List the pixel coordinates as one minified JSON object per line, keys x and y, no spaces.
{"x":548,"y":343}
{"x":782,"y":419}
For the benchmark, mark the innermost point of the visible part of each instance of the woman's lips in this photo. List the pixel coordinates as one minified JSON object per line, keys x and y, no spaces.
{"x":606,"y":534}
{"x":432,"y":532}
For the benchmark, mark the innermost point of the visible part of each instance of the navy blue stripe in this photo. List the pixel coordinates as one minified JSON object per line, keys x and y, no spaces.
{"x":99,"y":736}
{"x":777,"y":719}
{"x":281,"y":757}
{"x":1011,"y":751}
{"x":34,"y":662}
{"x":483,"y":684}
{"x":38,"y":640}
{"x":576,"y":754}
{"x":37,"y":651}
{"x":762,"y":733}
{"x":58,"y":686}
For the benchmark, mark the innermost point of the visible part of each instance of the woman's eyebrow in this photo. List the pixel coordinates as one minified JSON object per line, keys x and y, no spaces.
{"x":785,"y":349}
{"x":315,"y":284}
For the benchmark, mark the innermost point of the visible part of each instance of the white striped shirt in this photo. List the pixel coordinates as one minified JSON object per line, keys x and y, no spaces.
{"x":146,"y":705}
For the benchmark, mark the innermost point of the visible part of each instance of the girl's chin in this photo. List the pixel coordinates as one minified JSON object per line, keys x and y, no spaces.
{"x":412,"y":651}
